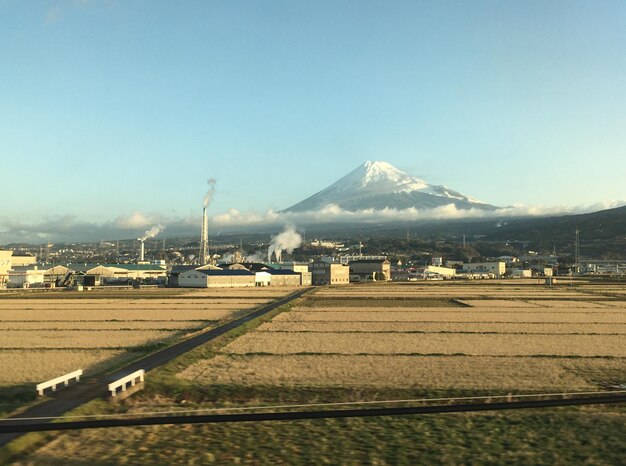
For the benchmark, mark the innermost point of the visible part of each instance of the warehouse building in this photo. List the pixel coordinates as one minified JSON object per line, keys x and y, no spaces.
{"x":497,"y":269}
{"x":25,"y":277}
{"x":370,"y":270}
{"x":23,"y":260}
{"x":301,"y":268}
{"x":172,"y":277}
{"x":437,"y":271}
{"x":210,"y":278}
{"x":5,"y":266}
{"x":330,"y":273}
{"x":280,"y":277}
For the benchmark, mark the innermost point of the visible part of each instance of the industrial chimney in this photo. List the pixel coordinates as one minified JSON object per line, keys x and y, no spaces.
{"x":204,"y":239}
{"x":141,"y":250}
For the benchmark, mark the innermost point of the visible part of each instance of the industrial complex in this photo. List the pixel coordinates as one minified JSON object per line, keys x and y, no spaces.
{"x":325,"y":262}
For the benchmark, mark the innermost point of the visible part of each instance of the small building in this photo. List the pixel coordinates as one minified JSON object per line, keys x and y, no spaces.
{"x":172,"y":276}
{"x":56,"y":274}
{"x":25,"y":277}
{"x":497,"y":269}
{"x":306,"y":277}
{"x":23,"y":259}
{"x":370,"y":269}
{"x":262,"y":279}
{"x":330,"y":273}
{"x":284,"y":277}
{"x":436,"y":271}
{"x":5,"y":266}
{"x":520,"y":273}
{"x":216,"y":278}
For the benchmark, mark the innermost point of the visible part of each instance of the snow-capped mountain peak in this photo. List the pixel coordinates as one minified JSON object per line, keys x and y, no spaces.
{"x":380,"y":175}
{"x":380,"y":185}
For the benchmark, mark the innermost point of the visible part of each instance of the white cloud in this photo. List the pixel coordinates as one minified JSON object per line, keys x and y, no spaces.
{"x":134,"y":221}
{"x":68,"y":228}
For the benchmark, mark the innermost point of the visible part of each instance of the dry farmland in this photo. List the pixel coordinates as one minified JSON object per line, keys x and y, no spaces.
{"x":389,"y":342}
{"x":47,"y":334}
{"x":470,"y":337}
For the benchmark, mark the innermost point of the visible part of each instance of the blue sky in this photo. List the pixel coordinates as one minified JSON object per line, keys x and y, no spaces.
{"x":111,"y":108}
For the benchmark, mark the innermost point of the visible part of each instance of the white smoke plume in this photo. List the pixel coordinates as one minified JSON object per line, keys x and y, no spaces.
{"x":152,"y":232}
{"x":209,"y":195}
{"x":258,"y":256}
{"x":286,"y":240}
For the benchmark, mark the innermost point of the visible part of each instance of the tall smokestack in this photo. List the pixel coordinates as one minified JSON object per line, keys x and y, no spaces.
{"x":141,"y":251}
{"x":204,"y":239}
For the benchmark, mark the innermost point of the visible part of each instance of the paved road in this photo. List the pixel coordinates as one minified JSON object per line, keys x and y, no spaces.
{"x":73,"y":396}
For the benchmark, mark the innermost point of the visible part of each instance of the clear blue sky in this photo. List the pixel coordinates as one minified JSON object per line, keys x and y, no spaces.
{"x":111,"y":107}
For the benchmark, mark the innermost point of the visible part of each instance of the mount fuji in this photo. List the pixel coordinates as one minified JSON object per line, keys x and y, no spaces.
{"x":379,"y":185}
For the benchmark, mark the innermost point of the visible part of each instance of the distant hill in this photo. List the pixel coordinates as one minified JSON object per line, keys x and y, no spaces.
{"x":379,"y":185}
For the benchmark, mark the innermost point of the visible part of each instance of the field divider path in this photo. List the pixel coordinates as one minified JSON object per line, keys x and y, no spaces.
{"x":91,"y":388}
{"x":316,"y":414}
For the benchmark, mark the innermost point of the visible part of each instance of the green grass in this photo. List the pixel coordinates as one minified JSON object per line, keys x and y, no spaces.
{"x":556,"y":437}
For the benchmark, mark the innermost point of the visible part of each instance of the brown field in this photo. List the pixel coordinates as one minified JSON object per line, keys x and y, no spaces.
{"x":445,"y":327}
{"x":431,"y":343}
{"x":435,"y":372}
{"x":34,"y":366}
{"x":451,"y":315}
{"x":551,"y":303}
{"x":525,"y":348}
{"x":82,"y":338}
{"x":253,"y":292}
{"x":561,"y":304}
{"x":475,"y":289}
{"x":96,"y":314}
{"x":101,"y":325}
{"x":513,"y":337}
{"x":64,"y":331}
{"x":127,"y":303}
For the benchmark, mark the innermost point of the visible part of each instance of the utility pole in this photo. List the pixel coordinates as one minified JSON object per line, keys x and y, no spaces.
{"x":577,"y":252}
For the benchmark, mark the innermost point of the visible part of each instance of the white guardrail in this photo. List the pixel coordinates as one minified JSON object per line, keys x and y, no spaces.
{"x":64,"y":379}
{"x":132,"y":378}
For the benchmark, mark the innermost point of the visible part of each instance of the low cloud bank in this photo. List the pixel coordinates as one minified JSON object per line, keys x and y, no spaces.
{"x":334,"y":214}
{"x":68,"y":228}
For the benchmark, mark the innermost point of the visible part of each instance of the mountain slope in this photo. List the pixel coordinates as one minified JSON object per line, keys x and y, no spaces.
{"x":379,"y":185}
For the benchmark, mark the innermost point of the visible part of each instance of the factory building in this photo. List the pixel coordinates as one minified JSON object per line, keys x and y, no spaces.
{"x":84,"y":274}
{"x":330,"y":273}
{"x":269,"y":276}
{"x":370,"y":270}
{"x":302,"y":269}
{"x":433,"y":271}
{"x":497,"y":269}
{"x":25,"y":277}
{"x":23,"y":260}
{"x":172,"y":277}
{"x":210,"y":278}
{"x":5,"y":266}
{"x":99,"y":274}
{"x":280,"y":277}
{"x":262,"y":279}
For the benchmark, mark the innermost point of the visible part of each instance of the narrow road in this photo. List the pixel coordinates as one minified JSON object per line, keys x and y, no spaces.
{"x":73,"y":396}
{"x":327,"y":414}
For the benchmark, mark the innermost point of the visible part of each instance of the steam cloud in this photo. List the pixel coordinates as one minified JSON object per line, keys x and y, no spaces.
{"x":209,"y":195}
{"x":152,"y":232}
{"x":286,"y":240}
